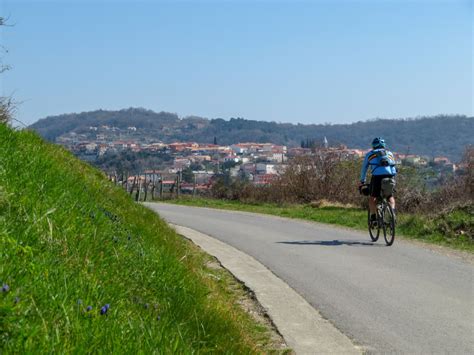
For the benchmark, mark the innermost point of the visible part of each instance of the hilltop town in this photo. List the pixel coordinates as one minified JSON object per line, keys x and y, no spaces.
{"x":198,"y":163}
{"x":443,"y":135}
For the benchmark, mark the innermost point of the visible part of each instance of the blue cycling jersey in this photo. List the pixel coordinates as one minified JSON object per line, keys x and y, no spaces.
{"x":372,"y":159}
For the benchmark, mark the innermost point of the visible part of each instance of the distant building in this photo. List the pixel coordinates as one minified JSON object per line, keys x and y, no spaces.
{"x":237,"y":149}
{"x":277,"y":157}
{"x":414,"y":160}
{"x":441,"y":160}
{"x":122,"y":145}
{"x":264,"y":168}
{"x":153,"y":147}
{"x":233,"y":158}
{"x":211,"y":149}
{"x":279,"y":149}
{"x":295,"y":152}
{"x":200,"y":158}
{"x":180,"y":147}
{"x":248,"y":168}
{"x":102,"y":149}
{"x":91,"y":147}
{"x":181,"y":163}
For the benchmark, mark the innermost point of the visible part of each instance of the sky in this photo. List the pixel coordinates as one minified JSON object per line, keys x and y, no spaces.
{"x":283,"y":61}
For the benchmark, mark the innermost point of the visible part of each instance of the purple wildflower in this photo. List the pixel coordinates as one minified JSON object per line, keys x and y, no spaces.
{"x":17,"y":299}
{"x":79,"y":301}
{"x":89,"y":308}
{"x":5,"y":288}
{"x":104,"y":309}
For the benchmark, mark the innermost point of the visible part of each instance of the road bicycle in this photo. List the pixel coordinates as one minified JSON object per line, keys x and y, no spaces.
{"x":385,"y":220}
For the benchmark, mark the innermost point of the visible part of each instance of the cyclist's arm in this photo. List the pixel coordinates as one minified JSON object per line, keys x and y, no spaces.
{"x":365,"y":166}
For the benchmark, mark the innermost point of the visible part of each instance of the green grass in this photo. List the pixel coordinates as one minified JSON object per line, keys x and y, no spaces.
{"x":69,"y":240}
{"x":452,"y":229}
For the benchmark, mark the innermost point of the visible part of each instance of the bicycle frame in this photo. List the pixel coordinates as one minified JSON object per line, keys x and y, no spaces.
{"x":385,"y":221}
{"x":380,"y":209}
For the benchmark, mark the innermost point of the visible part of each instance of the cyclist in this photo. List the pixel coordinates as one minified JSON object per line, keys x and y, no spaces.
{"x":382,"y":164}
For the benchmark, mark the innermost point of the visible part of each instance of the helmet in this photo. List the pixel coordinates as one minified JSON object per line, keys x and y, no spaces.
{"x":378,"y":143}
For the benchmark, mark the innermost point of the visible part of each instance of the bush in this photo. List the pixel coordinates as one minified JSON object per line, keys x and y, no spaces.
{"x":332,"y":178}
{"x":6,"y":107}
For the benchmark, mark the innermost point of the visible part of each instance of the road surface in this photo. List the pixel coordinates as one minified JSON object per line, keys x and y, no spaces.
{"x":405,"y":298}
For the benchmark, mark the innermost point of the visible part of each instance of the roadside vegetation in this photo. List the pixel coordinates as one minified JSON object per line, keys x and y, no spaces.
{"x":84,"y":269}
{"x":322,"y":188}
{"x":453,"y":229}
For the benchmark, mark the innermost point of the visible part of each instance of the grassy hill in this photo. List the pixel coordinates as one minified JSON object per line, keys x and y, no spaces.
{"x":432,"y":136}
{"x":84,"y":269}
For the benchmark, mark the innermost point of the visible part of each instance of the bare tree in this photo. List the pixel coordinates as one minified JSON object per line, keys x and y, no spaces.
{"x":6,"y":103}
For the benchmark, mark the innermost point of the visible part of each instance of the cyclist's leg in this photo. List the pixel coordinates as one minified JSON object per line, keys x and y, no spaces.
{"x":375,"y":185}
{"x":391,"y":201}
{"x":372,"y":205}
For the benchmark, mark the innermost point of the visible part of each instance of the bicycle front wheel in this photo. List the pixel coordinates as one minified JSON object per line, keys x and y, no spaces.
{"x":388,"y":225}
{"x":374,"y":229}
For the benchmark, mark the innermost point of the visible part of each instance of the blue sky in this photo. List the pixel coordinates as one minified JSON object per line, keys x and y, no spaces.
{"x":284,"y":61}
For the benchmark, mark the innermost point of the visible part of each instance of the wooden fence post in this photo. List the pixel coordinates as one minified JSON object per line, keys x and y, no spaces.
{"x":145,"y":188}
{"x":133,"y":185}
{"x":137,"y":196}
{"x":153,"y":186}
{"x":161,"y":187}
{"x":177,"y":186}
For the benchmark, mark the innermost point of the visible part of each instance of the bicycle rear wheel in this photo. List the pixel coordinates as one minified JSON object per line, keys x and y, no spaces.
{"x":374,"y":229}
{"x":388,"y":225}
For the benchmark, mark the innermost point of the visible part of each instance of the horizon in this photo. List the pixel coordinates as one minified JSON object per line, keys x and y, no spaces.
{"x":307,"y":62}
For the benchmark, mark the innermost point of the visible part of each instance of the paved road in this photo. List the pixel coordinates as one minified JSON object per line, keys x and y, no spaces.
{"x":403,"y":298}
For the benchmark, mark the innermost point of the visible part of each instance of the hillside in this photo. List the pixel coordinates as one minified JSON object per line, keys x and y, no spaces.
{"x":431,"y":136}
{"x":84,"y":269}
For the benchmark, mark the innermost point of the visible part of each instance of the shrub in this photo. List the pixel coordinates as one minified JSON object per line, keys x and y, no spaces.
{"x":331,"y":178}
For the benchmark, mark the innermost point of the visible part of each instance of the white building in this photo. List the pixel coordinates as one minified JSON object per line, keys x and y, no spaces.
{"x":237,"y":149}
{"x":264,"y":168}
{"x":91,"y":147}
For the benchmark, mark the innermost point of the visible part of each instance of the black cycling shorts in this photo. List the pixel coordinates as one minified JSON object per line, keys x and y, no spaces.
{"x":376,"y":184}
